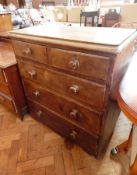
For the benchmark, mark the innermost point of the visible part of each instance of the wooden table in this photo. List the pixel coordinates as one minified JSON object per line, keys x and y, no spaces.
{"x":127,"y":100}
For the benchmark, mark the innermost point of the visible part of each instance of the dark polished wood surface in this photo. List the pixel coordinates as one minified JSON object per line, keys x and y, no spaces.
{"x":127,"y":94}
{"x":73,"y":90}
{"x":7,"y":56}
{"x":11,"y":90}
{"x":127,"y":100}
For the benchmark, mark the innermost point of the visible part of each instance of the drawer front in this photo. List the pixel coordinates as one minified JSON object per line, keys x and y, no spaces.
{"x":31,"y":51}
{"x":76,"y":113}
{"x":7,"y":102}
{"x":4,"y":88}
{"x":2,"y":78}
{"x":64,"y":128}
{"x":79,"y":89}
{"x":92,"y":66}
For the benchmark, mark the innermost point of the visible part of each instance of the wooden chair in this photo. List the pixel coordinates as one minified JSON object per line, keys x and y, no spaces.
{"x":89,"y":14}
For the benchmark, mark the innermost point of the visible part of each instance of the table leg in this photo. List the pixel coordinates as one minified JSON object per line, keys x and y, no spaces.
{"x":133,"y":161}
{"x":133,"y":169}
{"x":123,"y":146}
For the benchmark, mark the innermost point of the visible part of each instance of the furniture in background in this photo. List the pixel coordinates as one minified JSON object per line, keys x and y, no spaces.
{"x":3,"y":2}
{"x":17,"y":3}
{"x":132,"y":25}
{"x":70,"y":79}
{"x":5,"y":21}
{"x":11,"y":90}
{"x":48,"y":3}
{"x":111,"y":18}
{"x":127,"y":100}
{"x":91,"y":15}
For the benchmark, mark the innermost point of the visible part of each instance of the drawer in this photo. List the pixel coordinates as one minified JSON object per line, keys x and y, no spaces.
{"x":92,"y":66}
{"x":7,"y":102}
{"x":79,"y":89}
{"x":64,"y":128}
{"x":31,"y":51}
{"x":4,"y":88}
{"x":2,"y":78}
{"x":76,"y":113}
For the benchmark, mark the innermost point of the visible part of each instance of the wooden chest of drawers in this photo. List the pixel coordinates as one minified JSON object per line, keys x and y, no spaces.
{"x":70,"y":81}
{"x":11,"y":90}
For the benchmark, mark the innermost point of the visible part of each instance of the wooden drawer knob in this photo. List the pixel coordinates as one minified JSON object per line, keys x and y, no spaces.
{"x":39,"y":113}
{"x":74,"y":88}
{"x":74,"y":64}
{"x":73,"y":135}
{"x":32,"y":73}
{"x":36,"y":93}
{"x":75,"y":114}
{"x":27,"y":52}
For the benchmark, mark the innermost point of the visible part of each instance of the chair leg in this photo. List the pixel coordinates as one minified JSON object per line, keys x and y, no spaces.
{"x":133,"y":169}
{"x":80,"y":20}
{"x":123,"y":146}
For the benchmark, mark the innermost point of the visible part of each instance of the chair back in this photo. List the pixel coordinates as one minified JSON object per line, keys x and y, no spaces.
{"x":91,"y":15}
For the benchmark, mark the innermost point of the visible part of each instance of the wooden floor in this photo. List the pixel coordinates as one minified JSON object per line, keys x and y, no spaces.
{"x":29,"y":148}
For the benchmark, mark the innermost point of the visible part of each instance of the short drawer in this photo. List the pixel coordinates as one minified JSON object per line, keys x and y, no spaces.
{"x":63,"y":127}
{"x":77,"y":88}
{"x":92,"y":66}
{"x":4,"y":88}
{"x":31,"y":51}
{"x":76,"y":113}
{"x":7,"y":102}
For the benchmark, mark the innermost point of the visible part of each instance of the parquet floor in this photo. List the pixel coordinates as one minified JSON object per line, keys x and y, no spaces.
{"x":29,"y":148}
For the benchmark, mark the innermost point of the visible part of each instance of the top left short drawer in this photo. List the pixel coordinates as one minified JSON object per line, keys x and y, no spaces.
{"x":31,"y":51}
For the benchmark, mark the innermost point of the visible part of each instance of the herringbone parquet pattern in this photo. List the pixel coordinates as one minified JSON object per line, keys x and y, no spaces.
{"x":29,"y":148}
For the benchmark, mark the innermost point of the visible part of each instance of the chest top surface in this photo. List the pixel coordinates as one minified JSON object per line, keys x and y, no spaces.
{"x":91,"y":37}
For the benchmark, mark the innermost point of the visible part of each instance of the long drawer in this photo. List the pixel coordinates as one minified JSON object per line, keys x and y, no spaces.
{"x":92,"y":66}
{"x":64,"y":128}
{"x":32,"y":51}
{"x":76,"y":113}
{"x":79,"y":89}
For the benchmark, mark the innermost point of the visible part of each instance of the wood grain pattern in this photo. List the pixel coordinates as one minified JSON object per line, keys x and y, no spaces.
{"x":60,"y":124}
{"x":89,"y":35}
{"x":126,"y":96}
{"x":7,"y":56}
{"x":31,"y":51}
{"x":86,"y":90}
{"x":14,"y":139}
{"x":58,"y":82}
{"x":80,"y":63}
{"x":75,"y":113}
{"x":11,"y":89}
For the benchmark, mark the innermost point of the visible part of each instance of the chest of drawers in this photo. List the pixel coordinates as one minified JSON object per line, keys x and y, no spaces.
{"x":70,"y":82}
{"x":11,"y":89}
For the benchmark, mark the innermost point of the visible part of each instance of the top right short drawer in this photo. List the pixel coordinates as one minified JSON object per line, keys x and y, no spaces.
{"x":91,"y":66}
